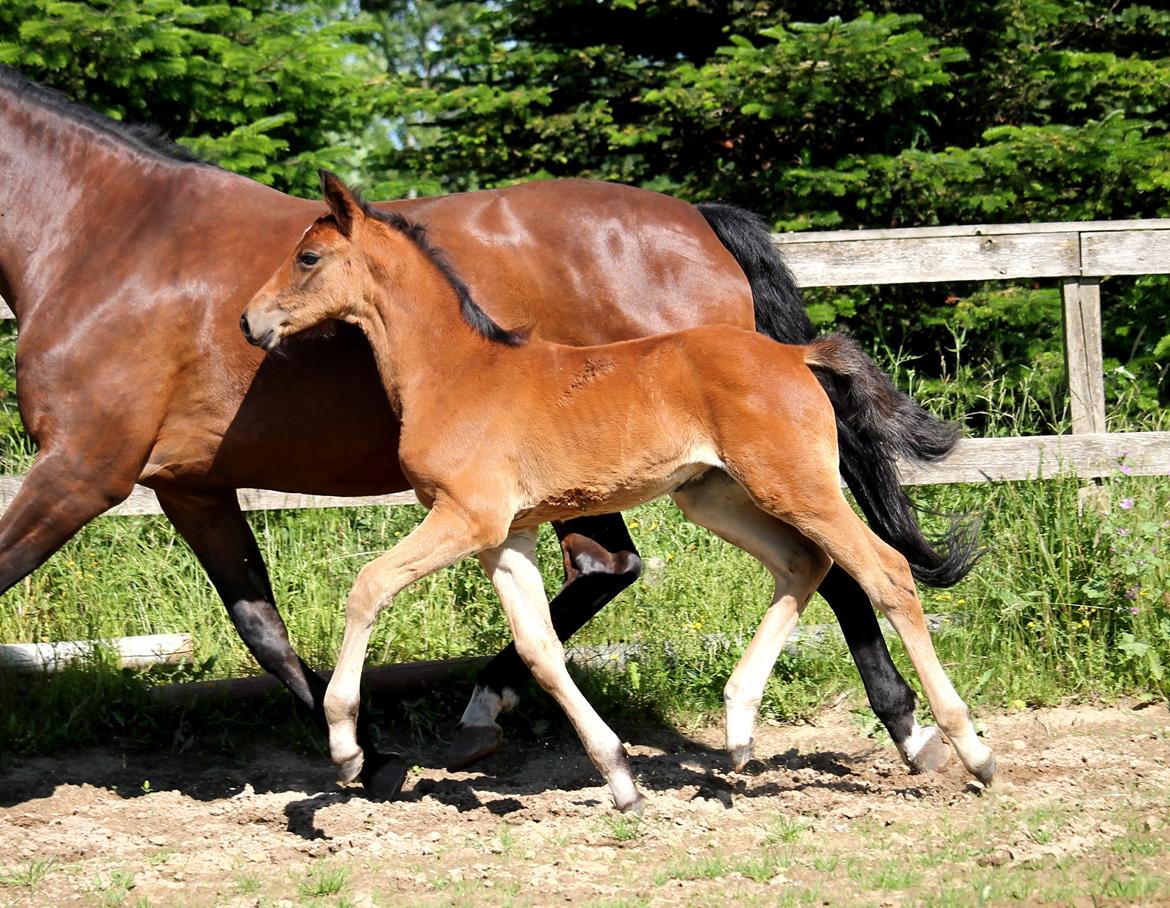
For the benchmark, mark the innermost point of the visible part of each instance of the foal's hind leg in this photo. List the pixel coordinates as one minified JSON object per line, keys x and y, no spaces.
{"x":720,"y":504}
{"x":512,"y":568}
{"x":600,"y":562}
{"x":814,"y":504}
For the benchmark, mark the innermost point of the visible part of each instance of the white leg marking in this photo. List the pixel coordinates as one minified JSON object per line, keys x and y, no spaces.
{"x":513,"y":571}
{"x":917,"y":739}
{"x":483,"y":707}
{"x":440,"y":540}
{"x":721,"y":504}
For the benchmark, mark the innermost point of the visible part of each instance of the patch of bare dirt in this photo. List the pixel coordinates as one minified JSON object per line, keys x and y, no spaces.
{"x":1079,"y":814}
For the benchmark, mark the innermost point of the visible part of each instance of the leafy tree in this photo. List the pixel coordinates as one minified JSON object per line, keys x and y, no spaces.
{"x":835,"y":115}
{"x":265,"y":89}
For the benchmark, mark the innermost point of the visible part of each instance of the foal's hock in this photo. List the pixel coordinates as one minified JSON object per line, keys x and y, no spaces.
{"x":499,"y":433}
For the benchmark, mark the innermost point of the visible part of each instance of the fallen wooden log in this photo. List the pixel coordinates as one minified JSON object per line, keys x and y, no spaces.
{"x":406,"y":680}
{"x":131,"y":652}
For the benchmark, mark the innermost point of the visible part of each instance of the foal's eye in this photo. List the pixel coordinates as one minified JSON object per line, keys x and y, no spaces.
{"x":308,"y":259}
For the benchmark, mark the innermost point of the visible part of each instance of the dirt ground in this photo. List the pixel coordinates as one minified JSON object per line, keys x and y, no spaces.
{"x":823,"y":816}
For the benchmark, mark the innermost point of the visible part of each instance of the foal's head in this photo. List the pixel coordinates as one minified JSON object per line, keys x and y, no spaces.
{"x":332,"y":274}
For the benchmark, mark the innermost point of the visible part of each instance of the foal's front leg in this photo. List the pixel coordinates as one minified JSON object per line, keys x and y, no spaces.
{"x":444,"y":537}
{"x":513,"y":571}
{"x":600,"y":562}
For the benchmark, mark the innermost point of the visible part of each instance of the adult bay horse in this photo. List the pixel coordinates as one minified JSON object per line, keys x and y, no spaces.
{"x":500,"y":433}
{"x":127,"y":265}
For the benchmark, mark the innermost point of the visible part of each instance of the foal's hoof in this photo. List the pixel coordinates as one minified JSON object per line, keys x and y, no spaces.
{"x":472,"y":743}
{"x":383,"y":775}
{"x":986,"y":772}
{"x":740,"y":755}
{"x":634,"y":807}
{"x":932,"y":756}
{"x":348,"y":770}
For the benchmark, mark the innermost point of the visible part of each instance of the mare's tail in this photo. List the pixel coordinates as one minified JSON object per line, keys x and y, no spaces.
{"x":867,"y":451}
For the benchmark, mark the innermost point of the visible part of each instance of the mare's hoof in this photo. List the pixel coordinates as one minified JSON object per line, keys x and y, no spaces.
{"x":741,"y":755}
{"x":986,"y":772}
{"x":383,"y":775}
{"x":932,"y":756}
{"x":472,"y":743}
{"x":633,"y":807}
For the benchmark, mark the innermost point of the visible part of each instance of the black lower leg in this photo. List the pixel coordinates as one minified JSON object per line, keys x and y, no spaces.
{"x":600,"y":562}
{"x":892,"y":699}
{"x":215,"y":528}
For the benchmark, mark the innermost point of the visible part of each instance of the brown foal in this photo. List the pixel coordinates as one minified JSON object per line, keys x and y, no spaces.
{"x":499,"y":434}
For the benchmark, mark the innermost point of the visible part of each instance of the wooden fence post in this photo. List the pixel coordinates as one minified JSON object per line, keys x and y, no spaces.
{"x":1086,"y":368}
{"x":1082,"y":351}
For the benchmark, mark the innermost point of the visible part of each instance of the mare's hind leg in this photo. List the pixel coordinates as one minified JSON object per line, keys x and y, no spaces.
{"x":214,"y":527}
{"x":600,"y":562}
{"x":513,"y":571}
{"x":720,"y":504}
{"x":921,"y":746}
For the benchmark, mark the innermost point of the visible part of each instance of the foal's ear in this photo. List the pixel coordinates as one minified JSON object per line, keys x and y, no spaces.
{"x":343,"y":203}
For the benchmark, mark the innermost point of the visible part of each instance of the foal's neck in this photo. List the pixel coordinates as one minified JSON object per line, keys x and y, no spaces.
{"x":422,"y":343}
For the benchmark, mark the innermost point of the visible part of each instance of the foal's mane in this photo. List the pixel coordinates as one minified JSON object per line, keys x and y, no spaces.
{"x":479,"y":320}
{"x":141,"y":137}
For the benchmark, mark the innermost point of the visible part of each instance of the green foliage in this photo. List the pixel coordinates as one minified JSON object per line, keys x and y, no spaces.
{"x":833,"y":115}
{"x":269,"y":90}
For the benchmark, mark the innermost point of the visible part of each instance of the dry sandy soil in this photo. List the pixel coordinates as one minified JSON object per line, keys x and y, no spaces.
{"x":824,"y":816}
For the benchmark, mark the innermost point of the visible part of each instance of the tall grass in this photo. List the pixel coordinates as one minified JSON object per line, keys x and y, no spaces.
{"x":1066,"y":603}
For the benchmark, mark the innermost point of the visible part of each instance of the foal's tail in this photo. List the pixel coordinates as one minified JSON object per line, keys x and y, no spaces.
{"x":867,"y":454}
{"x":876,"y":423}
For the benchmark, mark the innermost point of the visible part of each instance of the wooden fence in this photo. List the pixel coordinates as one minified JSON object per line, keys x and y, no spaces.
{"x":1078,"y":255}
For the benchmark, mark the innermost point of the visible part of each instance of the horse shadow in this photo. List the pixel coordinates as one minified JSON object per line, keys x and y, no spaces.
{"x":270,"y":748}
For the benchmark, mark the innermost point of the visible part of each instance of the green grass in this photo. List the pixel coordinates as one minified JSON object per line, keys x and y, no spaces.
{"x":1063,"y":605}
{"x":324,"y":881}
{"x":28,"y":874}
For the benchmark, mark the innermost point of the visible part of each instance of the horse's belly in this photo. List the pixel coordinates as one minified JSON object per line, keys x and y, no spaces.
{"x":609,"y":495}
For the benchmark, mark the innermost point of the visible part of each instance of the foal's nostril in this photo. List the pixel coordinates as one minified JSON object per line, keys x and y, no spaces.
{"x":244,"y":326}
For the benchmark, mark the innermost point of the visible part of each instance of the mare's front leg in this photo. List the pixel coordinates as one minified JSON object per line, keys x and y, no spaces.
{"x":447,"y":535}
{"x":217,"y":532}
{"x":600,"y":562}
{"x":59,"y":495}
{"x":513,"y":571}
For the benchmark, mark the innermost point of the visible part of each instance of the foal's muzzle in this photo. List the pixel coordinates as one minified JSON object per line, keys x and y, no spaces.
{"x":256,"y":340}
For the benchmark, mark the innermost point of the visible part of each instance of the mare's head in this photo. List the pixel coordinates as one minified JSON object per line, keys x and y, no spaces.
{"x":330,"y":275}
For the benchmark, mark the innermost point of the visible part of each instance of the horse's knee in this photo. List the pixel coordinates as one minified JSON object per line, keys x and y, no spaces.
{"x":544,"y":657}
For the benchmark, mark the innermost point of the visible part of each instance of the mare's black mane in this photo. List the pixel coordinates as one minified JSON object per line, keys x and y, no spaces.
{"x":141,"y":137}
{"x":483,"y":323}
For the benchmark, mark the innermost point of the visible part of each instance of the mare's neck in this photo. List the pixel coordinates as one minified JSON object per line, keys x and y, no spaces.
{"x":69,"y":188}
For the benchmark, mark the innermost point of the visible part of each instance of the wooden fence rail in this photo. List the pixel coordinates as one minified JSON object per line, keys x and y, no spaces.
{"x":1077,"y":254}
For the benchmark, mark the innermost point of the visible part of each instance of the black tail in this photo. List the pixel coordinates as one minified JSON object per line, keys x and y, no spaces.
{"x":869,"y":438}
